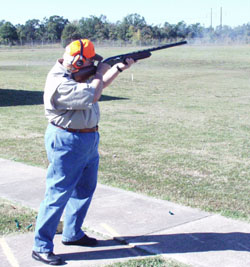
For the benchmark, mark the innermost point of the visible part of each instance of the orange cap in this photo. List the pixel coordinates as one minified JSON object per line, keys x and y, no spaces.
{"x":88,"y":51}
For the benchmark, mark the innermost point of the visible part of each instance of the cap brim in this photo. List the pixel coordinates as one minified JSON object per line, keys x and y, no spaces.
{"x":97,"y":57}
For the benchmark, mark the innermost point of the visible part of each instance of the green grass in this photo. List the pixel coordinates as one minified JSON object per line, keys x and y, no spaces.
{"x":148,"y":262}
{"x":15,"y":218}
{"x":179,"y":130}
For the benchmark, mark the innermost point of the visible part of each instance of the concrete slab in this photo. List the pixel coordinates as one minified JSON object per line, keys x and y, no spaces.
{"x":22,"y":183}
{"x":16,"y":172}
{"x":29,"y":194}
{"x":151,"y":225}
{"x":3,"y":259}
{"x":108,"y":251}
{"x":211,"y":241}
{"x":123,"y":213}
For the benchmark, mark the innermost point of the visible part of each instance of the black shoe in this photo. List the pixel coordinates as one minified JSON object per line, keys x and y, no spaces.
{"x":48,"y":258}
{"x":84,"y":241}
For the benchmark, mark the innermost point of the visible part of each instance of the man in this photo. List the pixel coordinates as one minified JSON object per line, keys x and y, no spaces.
{"x":71,"y":142}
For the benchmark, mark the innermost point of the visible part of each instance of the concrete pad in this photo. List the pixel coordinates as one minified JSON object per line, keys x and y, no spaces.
{"x":108,"y":251}
{"x":211,"y":241}
{"x":154,"y":226}
{"x":125,"y":213}
{"x":22,"y":183}
{"x":29,"y":194}
{"x":3,"y":259}
{"x":17,"y":172}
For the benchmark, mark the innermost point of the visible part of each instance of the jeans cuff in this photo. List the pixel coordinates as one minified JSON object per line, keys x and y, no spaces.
{"x":75,"y":238}
{"x":42,"y":250}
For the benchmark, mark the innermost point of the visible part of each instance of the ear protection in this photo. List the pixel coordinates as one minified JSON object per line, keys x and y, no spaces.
{"x":79,"y":59}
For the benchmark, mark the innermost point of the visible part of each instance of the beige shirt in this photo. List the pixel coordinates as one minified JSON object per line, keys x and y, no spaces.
{"x":67,"y":103}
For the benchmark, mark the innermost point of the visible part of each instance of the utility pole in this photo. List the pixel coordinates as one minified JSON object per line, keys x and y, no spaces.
{"x":221,"y":18}
{"x":211,"y":19}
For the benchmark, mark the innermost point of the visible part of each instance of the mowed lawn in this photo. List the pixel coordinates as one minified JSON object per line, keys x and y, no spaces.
{"x":176,"y":126}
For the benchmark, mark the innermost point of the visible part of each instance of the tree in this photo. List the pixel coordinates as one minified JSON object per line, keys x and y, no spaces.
{"x":248,"y":32}
{"x":181,"y":30}
{"x":87,"y":27}
{"x":113,"y":33}
{"x":2,"y":22}
{"x":157,"y":33}
{"x":8,"y":34}
{"x":94,"y":28}
{"x":20,"y":29}
{"x":123,"y":31}
{"x":30,"y":30}
{"x":54,"y":27}
{"x":70,"y":32}
{"x":195,"y":31}
{"x":135,"y":20}
{"x":147,"y":34}
{"x":130,"y":26}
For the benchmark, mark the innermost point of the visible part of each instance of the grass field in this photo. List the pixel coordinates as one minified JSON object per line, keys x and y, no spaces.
{"x":175,"y":126}
{"x":149,"y":262}
{"x":15,"y":218}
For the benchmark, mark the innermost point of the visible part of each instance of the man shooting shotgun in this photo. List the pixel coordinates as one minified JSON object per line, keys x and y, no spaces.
{"x":71,"y":141}
{"x":83,"y":74}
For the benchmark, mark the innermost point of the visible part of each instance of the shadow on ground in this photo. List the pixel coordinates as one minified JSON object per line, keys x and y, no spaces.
{"x":13,"y":97}
{"x":166,"y":244}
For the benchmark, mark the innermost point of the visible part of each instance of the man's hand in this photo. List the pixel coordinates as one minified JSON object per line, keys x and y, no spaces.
{"x":105,"y":75}
{"x":123,"y":66}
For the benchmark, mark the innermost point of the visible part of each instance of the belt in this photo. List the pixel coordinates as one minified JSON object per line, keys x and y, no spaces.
{"x":86,"y":130}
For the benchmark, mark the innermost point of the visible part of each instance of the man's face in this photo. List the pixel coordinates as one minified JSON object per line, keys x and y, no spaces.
{"x":88,"y":62}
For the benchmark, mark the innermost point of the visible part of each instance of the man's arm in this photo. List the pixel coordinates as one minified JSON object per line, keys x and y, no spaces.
{"x":107,"y":75}
{"x":97,"y":81}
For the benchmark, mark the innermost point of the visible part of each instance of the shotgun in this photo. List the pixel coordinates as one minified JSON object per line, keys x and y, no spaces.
{"x":83,"y":74}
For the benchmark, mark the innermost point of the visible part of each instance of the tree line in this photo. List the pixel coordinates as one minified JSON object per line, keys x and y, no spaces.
{"x":132,"y":28}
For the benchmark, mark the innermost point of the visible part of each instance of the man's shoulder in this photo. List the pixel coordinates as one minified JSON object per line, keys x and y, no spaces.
{"x":58,"y":69}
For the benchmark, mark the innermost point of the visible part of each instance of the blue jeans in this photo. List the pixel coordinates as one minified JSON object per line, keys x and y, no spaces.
{"x":71,"y":182}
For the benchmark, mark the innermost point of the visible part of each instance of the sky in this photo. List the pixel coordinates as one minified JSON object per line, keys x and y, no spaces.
{"x":155,"y":12}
